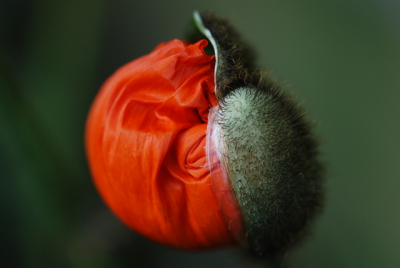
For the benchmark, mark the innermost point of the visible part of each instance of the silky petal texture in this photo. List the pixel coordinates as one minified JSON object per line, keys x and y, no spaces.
{"x":145,"y":141}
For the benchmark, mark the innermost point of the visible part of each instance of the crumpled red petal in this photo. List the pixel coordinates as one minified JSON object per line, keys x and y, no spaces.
{"x":145,"y":140}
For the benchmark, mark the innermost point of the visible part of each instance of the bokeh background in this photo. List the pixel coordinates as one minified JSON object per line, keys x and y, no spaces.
{"x":342,"y":57}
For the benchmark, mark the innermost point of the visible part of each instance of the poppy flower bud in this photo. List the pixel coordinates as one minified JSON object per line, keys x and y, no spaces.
{"x":197,"y":151}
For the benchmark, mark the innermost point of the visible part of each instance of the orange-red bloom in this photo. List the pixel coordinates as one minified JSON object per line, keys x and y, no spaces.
{"x":146,"y":138}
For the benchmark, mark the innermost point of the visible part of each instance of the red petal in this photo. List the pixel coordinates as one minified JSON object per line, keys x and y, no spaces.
{"x":145,"y":140}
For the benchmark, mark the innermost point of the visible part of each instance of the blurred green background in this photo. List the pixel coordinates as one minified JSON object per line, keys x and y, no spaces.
{"x":341,"y":57}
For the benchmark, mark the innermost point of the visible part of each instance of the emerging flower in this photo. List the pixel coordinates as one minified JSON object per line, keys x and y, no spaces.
{"x":197,"y":151}
{"x":146,"y":135}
